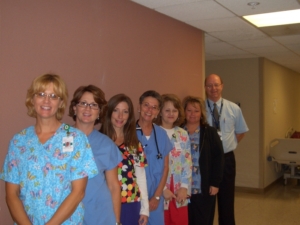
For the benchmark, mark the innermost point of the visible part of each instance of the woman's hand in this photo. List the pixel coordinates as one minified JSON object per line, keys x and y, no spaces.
{"x":168,"y":195}
{"x":153,"y":204}
{"x":213,"y":190}
{"x":143,"y":220}
{"x":181,"y":195}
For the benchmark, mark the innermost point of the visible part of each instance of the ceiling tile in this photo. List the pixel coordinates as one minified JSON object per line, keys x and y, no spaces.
{"x":195,"y":11}
{"x":254,"y":43}
{"x":240,"y":7}
{"x":159,"y":3}
{"x":290,"y":39}
{"x":272,"y":52}
{"x":222,"y":24}
{"x":222,"y":48}
{"x":210,"y":39}
{"x":294,"y":48}
{"x":248,"y":33}
{"x":228,"y":35}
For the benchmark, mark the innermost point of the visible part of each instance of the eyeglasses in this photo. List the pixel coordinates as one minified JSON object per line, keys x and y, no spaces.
{"x":153,"y":107}
{"x":94,"y":106}
{"x":210,"y":86}
{"x":43,"y":95}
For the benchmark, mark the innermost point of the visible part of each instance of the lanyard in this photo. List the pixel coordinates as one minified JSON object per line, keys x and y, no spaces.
{"x":159,"y":155}
{"x":217,"y":123}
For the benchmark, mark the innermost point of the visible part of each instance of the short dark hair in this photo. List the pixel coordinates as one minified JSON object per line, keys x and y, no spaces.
{"x":153,"y":94}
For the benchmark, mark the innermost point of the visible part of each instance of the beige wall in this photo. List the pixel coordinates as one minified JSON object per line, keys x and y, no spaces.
{"x":117,"y":45}
{"x":281,"y":108}
{"x":269,"y":97}
{"x":241,"y":84}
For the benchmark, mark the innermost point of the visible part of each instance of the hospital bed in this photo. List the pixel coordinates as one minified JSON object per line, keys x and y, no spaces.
{"x":285,"y":152}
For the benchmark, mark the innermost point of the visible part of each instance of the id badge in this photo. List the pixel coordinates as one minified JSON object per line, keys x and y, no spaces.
{"x":68,"y":144}
{"x":166,"y":205}
{"x":220,"y":134}
{"x":177,"y":146}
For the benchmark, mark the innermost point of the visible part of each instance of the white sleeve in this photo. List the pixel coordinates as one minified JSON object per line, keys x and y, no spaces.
{"x":142,"y":182}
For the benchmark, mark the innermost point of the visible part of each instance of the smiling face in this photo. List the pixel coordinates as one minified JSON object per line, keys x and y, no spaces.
{"x":45,"y":106}
{"x":169,"y":115}
{"x":193,"y":113}
{"x":213,"y":87}
{"x":85,"y":114}
{"x":120,"y":115}
{"x":149,"y":109}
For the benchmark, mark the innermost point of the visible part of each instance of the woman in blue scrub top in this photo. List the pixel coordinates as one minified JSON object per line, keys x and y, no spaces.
{"x":102,"y":200}
{"x":157,"y":146}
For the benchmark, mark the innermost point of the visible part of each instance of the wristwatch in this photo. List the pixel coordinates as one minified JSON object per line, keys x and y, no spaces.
{"x":118,"y":223}
{"x":157,"y":198}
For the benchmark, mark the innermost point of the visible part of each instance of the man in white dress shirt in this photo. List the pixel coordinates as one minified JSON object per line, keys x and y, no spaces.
{"x":229,"y":120}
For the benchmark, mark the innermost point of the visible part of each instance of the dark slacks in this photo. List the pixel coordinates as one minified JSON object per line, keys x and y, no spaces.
{"x":200,"y":209}
{"x":225,"y":197}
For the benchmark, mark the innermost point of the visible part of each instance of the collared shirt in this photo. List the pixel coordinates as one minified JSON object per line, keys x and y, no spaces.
{"x":232,"y":122}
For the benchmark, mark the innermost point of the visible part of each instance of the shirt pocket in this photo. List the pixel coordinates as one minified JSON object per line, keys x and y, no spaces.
{"x":229,"y":125}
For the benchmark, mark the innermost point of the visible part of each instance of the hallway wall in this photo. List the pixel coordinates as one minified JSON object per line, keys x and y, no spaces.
{"x":117,"y":45}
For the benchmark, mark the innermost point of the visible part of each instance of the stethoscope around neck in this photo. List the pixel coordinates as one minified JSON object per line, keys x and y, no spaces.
{"x":159,"y":155}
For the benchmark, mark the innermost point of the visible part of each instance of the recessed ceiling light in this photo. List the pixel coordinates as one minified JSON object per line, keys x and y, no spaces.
{"x":274,"y":19}
{"x":253,"y":4}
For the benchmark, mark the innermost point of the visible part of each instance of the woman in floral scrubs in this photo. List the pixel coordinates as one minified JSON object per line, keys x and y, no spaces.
{"x":48,"y":164}
{"x":178,"y":186}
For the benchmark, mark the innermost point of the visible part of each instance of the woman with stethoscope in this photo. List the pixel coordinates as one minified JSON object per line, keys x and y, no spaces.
{"x":157,"y":146}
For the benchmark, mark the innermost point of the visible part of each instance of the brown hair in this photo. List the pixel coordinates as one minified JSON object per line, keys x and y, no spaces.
{"x":130,"y":138}
{"x":196,"y":100}
{"x":177,"y":104}
{"x":99,"y":98}
{"x":39,"y":84}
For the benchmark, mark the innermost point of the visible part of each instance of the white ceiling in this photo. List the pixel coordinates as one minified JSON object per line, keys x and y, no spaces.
{"x":228,"y":35}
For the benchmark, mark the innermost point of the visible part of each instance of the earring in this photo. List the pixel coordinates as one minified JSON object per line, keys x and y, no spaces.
{"x":74,"y":113}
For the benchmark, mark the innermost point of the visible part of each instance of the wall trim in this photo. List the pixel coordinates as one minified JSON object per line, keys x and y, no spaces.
{"x":259,"y":190}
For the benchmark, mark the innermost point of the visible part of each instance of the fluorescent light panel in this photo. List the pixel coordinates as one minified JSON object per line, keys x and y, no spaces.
{"x":275,"y":19}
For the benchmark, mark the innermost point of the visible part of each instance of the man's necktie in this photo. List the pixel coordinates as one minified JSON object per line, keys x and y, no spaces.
{"x":216,"y":117}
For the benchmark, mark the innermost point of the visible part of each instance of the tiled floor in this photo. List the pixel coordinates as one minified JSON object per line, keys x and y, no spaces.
{"x":279,"y":206}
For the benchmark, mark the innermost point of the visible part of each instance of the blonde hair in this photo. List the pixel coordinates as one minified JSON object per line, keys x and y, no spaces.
{"x":196,"y":100}
{"x":177,"y":104}
{"x":40,"y":84}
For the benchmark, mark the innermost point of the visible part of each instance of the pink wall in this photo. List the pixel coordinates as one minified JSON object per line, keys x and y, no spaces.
{"x":118,"y":45}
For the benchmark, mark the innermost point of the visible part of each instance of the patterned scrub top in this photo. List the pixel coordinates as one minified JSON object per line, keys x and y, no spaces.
{"x":180,"y":162}
{"x":196,"y":176}
{"x":126,"y":174}
{"x":45,"y":171}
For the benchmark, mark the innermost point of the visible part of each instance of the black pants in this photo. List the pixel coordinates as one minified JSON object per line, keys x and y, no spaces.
{"x":225,"y":196}
{"x":200,"y":209}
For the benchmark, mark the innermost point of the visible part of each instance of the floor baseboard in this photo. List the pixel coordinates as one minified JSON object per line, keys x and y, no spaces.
{"x":258,"y":190}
